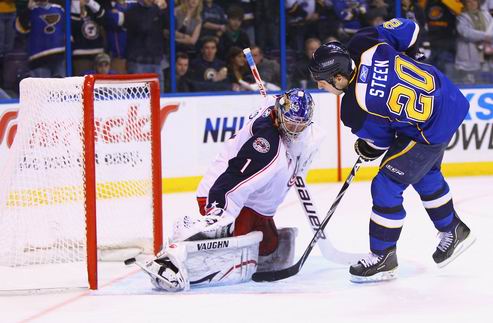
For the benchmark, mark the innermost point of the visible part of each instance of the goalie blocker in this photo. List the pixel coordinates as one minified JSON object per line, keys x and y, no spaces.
{"x":211,"y":262}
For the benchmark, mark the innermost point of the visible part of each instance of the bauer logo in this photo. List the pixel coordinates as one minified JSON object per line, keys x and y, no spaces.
{"x":308,"y":206}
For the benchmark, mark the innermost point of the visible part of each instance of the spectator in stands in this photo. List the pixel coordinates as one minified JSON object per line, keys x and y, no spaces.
{"x":377,"y":12}
{"x":213,"y":20}
{"x":410,"y":9}
{"x":380,"y":7}
{"x":328,"y":24}
{"x":488,"y":5}
{"x":352,"y":15}
{"x":441,"y":35}
{"x":300,"y":75}
{"x":102,"y":65}
{"x":267,"y":24}
{"x":302,"y":19}
{"x":146,"y":25}
{"x":269,"y":69}
{"x":116,"y":35}
{"x":249,"y":21}
{"x":208,"y":72}
{"x":86,"y":19}
{"x":234,"y":35}
{"x":7,"y":31}
{"x":183,"y":81}
{"x":374,"y":17}
{"x":188,"y":25}
{"x":44,"y":23}
{"x":238,"y":70}
{"x":474,"y":42}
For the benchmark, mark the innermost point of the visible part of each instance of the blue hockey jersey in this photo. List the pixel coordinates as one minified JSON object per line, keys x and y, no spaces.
{"x":391,"y":94}
{"x":45,"y":25}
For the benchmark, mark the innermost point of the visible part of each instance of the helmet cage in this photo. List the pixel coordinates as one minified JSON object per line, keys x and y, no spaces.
{"x":294,"y":112}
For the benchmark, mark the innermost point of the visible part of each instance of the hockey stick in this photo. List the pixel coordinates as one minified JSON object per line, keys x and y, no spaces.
{"x":131,"y":261}
{"x":328,"y":250}
{"x":143,"y":266}
{"x":309,"y":208}
{"x":293,"y":270}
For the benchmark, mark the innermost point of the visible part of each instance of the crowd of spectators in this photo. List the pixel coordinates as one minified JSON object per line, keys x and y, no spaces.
{"x":132,"y":36}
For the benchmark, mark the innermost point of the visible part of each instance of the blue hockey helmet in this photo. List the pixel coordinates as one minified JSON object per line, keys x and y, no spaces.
{"x":294,"y":111}
{"x":330,"y":59}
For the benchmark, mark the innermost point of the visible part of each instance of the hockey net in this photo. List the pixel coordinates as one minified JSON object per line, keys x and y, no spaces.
{"x":82,"y":181}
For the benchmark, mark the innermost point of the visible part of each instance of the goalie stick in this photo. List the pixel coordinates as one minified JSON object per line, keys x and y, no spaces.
{"x":293,"y":270}
{"x":328,"y":250}
{"x":131,"y":261}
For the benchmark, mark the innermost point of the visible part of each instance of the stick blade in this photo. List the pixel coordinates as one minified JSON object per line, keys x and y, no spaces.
{"x":271,"y":276}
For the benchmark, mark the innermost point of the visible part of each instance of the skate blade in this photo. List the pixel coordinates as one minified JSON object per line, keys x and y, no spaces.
{"x":379,"y":277}
{"x":463,"y":246}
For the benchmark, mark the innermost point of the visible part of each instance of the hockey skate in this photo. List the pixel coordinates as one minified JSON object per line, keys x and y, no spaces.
{"x":452,"y":244}
{"x":375,"y":268}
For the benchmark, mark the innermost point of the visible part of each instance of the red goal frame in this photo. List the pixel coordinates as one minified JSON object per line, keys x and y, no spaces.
{"x":90,"y":165}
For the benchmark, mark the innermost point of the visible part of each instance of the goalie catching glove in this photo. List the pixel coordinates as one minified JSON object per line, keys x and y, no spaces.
{"x":168,"y":271}
{"x":366,"y":151}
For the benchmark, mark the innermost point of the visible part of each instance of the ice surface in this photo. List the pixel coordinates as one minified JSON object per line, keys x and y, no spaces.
{"x":460,"y":292}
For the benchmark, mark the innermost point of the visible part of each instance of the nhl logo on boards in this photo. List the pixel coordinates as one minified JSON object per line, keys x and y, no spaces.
{"x":261,"y":145}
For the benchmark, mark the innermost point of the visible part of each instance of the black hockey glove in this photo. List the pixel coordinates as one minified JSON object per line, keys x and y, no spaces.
{"x":365,"y":151}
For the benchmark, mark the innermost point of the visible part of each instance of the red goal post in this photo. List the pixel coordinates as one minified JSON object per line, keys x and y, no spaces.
{"x":89,"y":130}
{"x":83,"y":176}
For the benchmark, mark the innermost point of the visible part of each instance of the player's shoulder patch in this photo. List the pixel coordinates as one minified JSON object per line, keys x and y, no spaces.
{"x":265,"y":112}
{"x":363,"y":74}
{"x":261,"y":145}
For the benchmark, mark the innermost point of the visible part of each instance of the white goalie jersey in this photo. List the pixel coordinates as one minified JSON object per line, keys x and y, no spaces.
{"x":257,"y":167}
{"x":255,"y":170}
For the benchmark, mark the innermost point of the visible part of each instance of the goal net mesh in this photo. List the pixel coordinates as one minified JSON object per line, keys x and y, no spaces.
{"x":42,"y":190}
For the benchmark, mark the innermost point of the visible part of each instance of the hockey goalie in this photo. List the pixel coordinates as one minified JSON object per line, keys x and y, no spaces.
{"x":235,"y":235}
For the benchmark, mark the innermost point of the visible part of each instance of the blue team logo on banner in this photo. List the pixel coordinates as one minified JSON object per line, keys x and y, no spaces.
{"x":363,"y":75}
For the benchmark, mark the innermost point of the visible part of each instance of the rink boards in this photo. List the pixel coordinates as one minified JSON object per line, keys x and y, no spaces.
{"x":193,"y":129}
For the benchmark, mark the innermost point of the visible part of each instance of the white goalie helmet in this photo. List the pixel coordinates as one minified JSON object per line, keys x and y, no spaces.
{"x":294,"y":112}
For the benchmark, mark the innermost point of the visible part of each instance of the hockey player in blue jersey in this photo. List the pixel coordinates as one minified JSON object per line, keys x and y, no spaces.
{"x":408,"y":110}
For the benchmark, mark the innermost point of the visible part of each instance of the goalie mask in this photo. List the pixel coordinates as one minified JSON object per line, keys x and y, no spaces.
{"x":294,"y":112}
